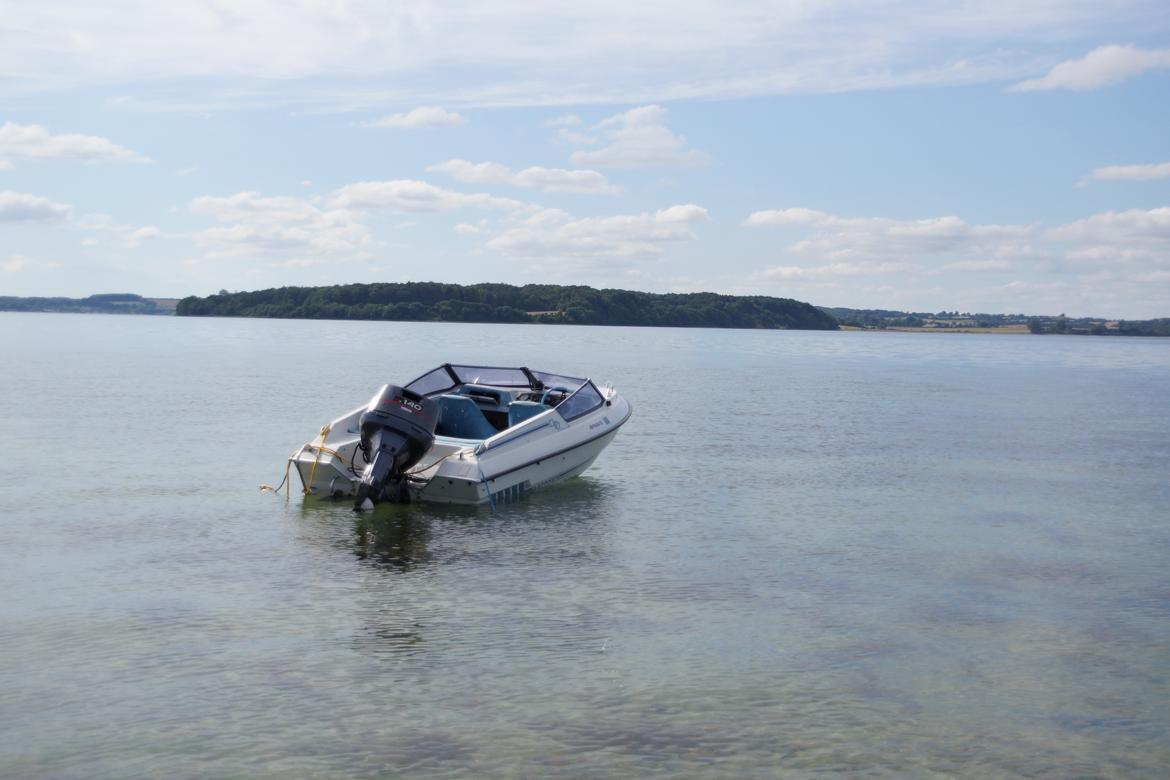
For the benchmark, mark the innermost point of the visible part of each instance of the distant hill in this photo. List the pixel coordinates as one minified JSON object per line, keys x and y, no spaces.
{"x":575,"y":305}
{"x":109,"y":303}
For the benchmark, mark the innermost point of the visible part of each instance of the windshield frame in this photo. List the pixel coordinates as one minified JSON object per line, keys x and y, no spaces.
{"x":568,"y":399}
{"x":461,"y":374}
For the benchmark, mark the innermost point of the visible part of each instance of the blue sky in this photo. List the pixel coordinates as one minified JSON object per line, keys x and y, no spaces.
{"x":993,"y":156}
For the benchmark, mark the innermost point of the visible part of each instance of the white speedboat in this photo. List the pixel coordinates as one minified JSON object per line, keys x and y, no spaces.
{"x":463,"y":435}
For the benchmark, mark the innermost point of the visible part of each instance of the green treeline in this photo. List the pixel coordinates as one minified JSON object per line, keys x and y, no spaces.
{"x":110,"y":303}
{"x":576,"y":305}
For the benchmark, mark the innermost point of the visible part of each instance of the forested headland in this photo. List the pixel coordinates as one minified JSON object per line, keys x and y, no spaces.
{"x":572,"y":305}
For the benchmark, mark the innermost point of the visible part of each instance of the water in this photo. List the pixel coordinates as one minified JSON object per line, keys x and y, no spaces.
{"x":895,"y":555}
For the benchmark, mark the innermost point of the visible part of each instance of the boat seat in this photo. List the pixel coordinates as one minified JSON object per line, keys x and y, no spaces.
{"x":519,"y":411}
{"x":482,"y":395}
{"x":460,"y":418}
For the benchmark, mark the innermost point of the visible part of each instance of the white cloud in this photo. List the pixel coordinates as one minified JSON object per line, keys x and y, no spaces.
{"x":834,"y":270}
{"x":468,"y":229}
{"x":422,"y":117}
{"x":408,"y":195}
{"x":22,"y":207}
{"x":575,"y":138}
{"x":14,"y":264}
{"x":1107,"y":262}
{"x":546,"y":217}
{"x":1101,"y":67}
{"x":785,"y":217}
{"x":562,"y":180}
{"x":1136,"y":226}
{"x":475,"y":173}
{"x":1124,"y":241}
{"x":685,"y":213}
{"x":551,"y":234}
{"x":639,"y":138}
{"x":365,"y":55}
{"x":546,"y":179}
{"x":976,"y":266}
{"x":564,"y":120}
{"x":852,"y":238}
{"x":286,"y":227}
{"x":1133,"y":172}
{"x":130,"y":235}
{"x":190,"y":169}
{"x":34,"y":142}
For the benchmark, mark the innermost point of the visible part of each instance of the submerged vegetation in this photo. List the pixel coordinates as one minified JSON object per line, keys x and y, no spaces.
{"x":573,"y":305}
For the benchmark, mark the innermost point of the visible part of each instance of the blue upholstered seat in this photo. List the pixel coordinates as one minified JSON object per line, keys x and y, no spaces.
{"x":460,"y":418}
{"x":519,"y":411}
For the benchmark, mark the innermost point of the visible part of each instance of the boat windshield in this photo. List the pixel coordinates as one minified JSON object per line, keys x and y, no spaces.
{"x":586,"y":399}
{"x":433,"y":382}
{"x":492,"y":375}
{"x":448,"y":376}
{"x":557,"y":380}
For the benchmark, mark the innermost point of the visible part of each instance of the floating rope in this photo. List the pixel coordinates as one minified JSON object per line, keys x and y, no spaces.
{"x":287,"y":466}
{"x":270,"y":489}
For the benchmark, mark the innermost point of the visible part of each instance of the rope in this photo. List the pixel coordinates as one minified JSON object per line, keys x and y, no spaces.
{"x":287,"y":466}
{"x":317,"y":459}
{"x":320,"y":447}
{"x":484,"y":481}
{"x":269,"y":488}
{"x":430,"y":465}
{"x":328,"y":451}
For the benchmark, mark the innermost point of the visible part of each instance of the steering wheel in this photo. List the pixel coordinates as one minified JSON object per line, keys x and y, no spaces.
{"x":548,"y":390}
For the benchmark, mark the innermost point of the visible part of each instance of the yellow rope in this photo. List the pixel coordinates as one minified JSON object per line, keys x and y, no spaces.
{"x":328,"y":451}
{"x":316,"y":459}
{"x":429,"y":466}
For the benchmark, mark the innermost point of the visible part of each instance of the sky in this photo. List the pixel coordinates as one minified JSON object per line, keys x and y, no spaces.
{"x":973,"y":156}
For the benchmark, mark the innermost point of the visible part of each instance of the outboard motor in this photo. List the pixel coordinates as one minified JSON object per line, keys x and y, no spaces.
{"x":397,"y":429}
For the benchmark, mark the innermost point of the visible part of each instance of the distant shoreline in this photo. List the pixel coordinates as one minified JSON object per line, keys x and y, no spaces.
{"x":107,"y":303}
{"x":1008,"y":330}
{"x":573,"y":305}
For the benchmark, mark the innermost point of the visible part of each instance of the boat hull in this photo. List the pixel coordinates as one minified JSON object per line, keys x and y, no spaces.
{"x":542,"y":451}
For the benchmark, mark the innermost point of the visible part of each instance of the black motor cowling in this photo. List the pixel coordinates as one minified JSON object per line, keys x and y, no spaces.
{"x":397,"y":429}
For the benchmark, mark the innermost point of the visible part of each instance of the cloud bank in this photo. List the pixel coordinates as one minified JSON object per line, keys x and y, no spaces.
{"x":1102,"y":67}
{"x":369,"y":55}
{"x":1102,"y":263}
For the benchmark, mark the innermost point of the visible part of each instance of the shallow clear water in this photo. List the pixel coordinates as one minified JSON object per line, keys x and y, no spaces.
{"x":884,"y":554}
